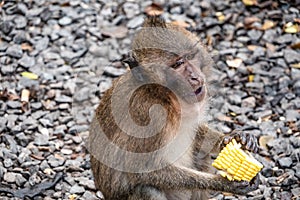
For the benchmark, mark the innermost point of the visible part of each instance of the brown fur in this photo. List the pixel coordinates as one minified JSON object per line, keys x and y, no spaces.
{"x":186,"y":178}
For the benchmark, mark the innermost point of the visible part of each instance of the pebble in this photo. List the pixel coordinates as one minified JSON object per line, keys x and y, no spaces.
{"x":285,"y":162}
{"x":254,"y":34}
{"x":76,"y":189}
{"x":26,"y":61}
{"x":20,"y":22}
{"x":65,"y":21}
{"x":89,"y":195}
{"x":14,"y":104}
{"x":14,"y":51}
{"x":6,"y":27}
{"x":135,"y":22}
{"x":291,"y":56}
{"x":10,"y":177}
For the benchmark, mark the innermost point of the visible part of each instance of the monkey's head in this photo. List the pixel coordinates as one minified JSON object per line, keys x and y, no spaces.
{"x":174,"y":56}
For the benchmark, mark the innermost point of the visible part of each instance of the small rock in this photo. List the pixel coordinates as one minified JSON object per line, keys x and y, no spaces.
{"x":8,"y":163}
{"x":66,"y":151}
{"x":14,"y":104}
{"x":65,"y":21}
{"x":42,"y":44}
{"x":89,"y":195}
{"x":292,"y":115}
{"x":249,"y":102}
{"x":254,"y":34}
{"x":296,"y":191}
{"x":20,"y":22}
{"x":63,"y":99}
{"x":285,"y":162}
{"x":114,"y":72}
{"x":291,"y":56}
{"x":135,"y":22}
{"x":115,"y":31}
{"x":76,"y":189}
{"x":20,"y":180}
{"x":6,"y":27}
{"x":131,"y":9}
{"x":7,"y":69}
{"x":15,"y":51}
{"x":99,"y":51}
{"x":284,"y":39}
{"x":55,"y":162}
{"x":82,"y":94}
{"x":10,"y":177}
{"x":27,"y":61}
{"x":41,"y":139}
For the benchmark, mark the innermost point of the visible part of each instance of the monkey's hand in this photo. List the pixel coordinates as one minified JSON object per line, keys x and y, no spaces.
{"x":242,"y":187}
{"x":248,"y":141}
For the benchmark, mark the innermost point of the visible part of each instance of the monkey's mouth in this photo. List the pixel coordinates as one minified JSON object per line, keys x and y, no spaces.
{"x":200,"y":93}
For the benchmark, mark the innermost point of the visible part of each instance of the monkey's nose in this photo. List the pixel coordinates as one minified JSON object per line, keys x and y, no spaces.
{"x":196,"y":81}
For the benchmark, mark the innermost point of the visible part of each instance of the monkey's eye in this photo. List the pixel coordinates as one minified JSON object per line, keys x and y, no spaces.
{"x":178,"y":63}
{"x":191,"y":55}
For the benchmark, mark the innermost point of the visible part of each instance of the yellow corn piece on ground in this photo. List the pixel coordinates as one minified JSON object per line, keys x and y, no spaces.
{"x":236,"y":164}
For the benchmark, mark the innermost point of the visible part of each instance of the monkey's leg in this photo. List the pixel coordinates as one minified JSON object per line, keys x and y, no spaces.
{"x":199,"y":195}
{"x":144,"y":192}
{"x":179,"y":177}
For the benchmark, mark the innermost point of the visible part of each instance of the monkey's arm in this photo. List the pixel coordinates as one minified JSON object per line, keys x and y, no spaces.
{"x":211,"y":141}
{"x":178,"y":177}
{"x":208,"y":140}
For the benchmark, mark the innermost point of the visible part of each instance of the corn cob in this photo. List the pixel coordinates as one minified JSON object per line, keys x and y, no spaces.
{"x":236,"y":164}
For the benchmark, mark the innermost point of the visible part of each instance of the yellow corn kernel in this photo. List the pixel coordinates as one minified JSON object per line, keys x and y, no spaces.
{"x":236,"y":164}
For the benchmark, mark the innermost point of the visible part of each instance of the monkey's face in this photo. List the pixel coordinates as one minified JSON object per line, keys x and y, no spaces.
{"x":187,"y":67}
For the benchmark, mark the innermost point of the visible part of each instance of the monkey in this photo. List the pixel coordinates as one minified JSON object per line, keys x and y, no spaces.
{"x":149,"y":138}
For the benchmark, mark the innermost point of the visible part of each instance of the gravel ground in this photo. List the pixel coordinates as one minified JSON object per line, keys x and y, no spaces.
{"x":73,"y":49}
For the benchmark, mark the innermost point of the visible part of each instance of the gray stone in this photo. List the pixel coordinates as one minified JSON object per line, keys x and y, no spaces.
{"x":20,"y":22}
{"x":135,"y":22}
{"x":27,"y":61}
{"x":286,"y":38}
{"x":131,"y":9}
{"x":15,"y":51}
{"x":10,"y":177}
{"x":291,"y":56}
{"x":20,"y":180}
{"x":114,"y":72}
{"x":8,"y":163}
{"x":65,"y":21}
{"x":7,"y":69}
{"x":99,"y":51}
{"x":292,"y":115}
{"x":76,"y":189}
{"x":89,"y":195}
{"x":14,"y":104}
{"x":254,"y":34}
{"x":41,"y":139}
{"x":82,"y":94}
{"x":55,"y":162}
{"x":63,"y":99}
{"x":296,"y":191}
{"x":285,"y":162}
{"x":6,"y":27}
{"x":42,"y":44}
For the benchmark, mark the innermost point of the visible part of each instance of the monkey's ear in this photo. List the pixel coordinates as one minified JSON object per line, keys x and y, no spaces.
{"x":131,"y":62}
{"x":155,"y":21}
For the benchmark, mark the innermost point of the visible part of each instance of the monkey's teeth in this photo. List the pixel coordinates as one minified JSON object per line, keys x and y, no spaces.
{"x":237,"y":164}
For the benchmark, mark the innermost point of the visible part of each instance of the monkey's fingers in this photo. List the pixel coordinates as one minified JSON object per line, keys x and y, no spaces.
{"x":251,"y":144}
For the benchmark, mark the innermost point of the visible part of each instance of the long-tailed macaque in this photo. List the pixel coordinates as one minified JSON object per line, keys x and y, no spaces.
{"x":149,"y":138}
